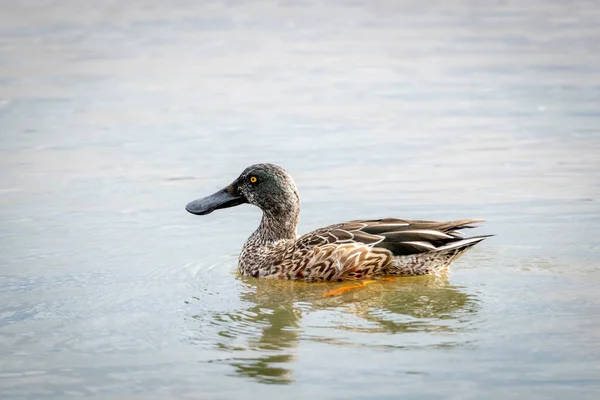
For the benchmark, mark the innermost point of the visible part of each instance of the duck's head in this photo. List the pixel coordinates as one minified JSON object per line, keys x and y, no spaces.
{"x":266,"y":186}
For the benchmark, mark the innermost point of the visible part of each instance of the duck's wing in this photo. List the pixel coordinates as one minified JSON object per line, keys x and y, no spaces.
{"x":344,"y":233}
{"x":367,"y":248}
{"x":400,"y":236}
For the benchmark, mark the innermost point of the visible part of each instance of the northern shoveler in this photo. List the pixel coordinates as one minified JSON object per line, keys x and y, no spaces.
{"x":354,"y":250}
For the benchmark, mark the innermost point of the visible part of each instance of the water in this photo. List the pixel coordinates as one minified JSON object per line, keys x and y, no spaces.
{"x":113,"y":117}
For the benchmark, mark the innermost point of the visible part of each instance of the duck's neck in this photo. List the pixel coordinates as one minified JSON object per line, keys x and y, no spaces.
{"x":276,"y":225}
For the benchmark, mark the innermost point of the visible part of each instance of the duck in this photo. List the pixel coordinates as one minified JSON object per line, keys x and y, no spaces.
{"x":353,"y":250}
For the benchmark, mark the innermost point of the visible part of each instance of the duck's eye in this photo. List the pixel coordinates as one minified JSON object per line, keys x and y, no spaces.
{"x":253,"y":179}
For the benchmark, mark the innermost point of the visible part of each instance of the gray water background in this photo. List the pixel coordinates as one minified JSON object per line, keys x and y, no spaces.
{"x":114,"y":115}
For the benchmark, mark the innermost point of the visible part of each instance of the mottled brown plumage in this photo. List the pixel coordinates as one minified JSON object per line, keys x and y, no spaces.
{"x":352,"y":250}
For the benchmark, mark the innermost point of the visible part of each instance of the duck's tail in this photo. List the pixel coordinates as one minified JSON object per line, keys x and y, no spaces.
{"x":463,"y":244}
{"x":435,"y":261}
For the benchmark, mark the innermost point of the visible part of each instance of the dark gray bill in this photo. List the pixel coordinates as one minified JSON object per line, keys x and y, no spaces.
{"x":222,"y":199}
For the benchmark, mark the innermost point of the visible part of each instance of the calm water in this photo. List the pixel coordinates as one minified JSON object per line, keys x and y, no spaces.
{"x":113,"y":117}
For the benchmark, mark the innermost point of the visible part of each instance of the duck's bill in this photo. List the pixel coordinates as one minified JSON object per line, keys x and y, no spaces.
{"x":221,"y":199}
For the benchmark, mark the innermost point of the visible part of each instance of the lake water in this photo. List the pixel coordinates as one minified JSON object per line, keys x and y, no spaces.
{"x":114,"y":116}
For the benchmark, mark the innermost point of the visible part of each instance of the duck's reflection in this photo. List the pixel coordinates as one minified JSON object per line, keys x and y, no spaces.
{"x":270,"y":326}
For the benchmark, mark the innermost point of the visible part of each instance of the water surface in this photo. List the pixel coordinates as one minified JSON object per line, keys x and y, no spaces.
{"x":113,"y":117}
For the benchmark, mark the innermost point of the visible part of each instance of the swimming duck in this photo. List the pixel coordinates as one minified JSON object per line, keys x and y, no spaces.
{"x":354,"y":250}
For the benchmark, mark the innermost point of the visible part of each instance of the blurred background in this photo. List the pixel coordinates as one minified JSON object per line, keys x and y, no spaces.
{"x":114,"y":115}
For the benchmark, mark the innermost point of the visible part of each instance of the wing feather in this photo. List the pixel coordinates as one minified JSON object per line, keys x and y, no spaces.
{"x":399,"y":236}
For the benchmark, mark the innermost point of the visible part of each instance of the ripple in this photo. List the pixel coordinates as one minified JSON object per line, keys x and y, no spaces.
{"x":273,"y":318}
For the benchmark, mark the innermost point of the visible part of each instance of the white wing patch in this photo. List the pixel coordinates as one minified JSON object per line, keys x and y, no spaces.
{"x":425,"y":245}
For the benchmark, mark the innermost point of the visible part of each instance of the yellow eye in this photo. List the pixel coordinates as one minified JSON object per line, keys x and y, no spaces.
{"x":253,"y":179}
